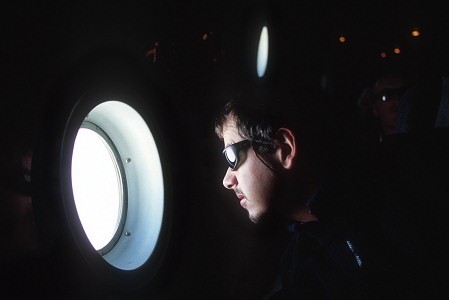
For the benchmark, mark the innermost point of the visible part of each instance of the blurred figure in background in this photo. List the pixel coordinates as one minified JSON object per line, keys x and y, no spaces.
{"x":378,"y":107}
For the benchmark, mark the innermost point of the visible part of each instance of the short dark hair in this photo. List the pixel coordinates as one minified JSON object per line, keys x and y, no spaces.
{"x":258,"y":113}
{"x":252,"y":124}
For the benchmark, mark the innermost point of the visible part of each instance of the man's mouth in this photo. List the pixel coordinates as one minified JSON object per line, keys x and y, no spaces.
{"x":242,"y":199}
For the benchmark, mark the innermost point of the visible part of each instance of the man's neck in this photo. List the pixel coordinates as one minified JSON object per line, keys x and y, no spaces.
{"x":303,"y":213}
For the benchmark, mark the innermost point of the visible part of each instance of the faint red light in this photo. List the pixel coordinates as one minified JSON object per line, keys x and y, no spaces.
{"x":152,"y":52}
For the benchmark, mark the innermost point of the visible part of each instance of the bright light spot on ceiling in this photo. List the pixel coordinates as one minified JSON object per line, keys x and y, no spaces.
{"x":262,"y":53}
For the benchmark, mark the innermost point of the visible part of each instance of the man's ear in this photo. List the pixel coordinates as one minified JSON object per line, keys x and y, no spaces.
{"x":286,"y":148}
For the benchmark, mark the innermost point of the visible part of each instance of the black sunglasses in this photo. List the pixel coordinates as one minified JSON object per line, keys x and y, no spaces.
{"x":387,"y":95}
{"x":234,"y":153}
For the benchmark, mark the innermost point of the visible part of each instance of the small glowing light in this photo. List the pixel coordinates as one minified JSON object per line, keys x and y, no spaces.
{"x":415,"y":33}
{"x":96,"y":185}
{"x":205,"y":36}
{"x":342,"y":39}
{"x":397,"y":50}
{"x":262,"y":53}
{"x":383,"y":54}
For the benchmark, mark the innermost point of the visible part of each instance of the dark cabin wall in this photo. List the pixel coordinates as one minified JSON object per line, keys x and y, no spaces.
{"x":220,"y":254}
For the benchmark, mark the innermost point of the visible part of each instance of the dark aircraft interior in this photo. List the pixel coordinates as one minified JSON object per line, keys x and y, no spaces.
{"x":173,"y":63}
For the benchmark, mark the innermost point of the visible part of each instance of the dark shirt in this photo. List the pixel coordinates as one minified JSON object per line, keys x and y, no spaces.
{"x":382,"y":230}
{"x":319,"y":264}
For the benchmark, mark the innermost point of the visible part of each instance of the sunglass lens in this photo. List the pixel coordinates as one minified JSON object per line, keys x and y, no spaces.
{"x":230,"y":156}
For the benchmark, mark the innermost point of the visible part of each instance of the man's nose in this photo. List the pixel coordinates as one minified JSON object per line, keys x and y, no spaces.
{"x":229,"y":180}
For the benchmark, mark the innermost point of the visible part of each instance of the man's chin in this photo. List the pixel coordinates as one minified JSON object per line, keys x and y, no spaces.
{"x":254,"y":219}
{"x":266,"y":222}
{"x":257,"y":217}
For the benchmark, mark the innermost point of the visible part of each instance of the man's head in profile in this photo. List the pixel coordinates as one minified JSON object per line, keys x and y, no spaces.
{"x":276,"y":146}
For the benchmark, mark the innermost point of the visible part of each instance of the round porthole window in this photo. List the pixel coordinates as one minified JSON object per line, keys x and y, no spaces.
{"x":117,"y":184}
{"x":105,"y":178}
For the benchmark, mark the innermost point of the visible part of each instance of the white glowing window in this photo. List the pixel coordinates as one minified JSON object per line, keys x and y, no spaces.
{"x":97,"y":186}
{"x":262,"y":52}
{"x":117,"y":185}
